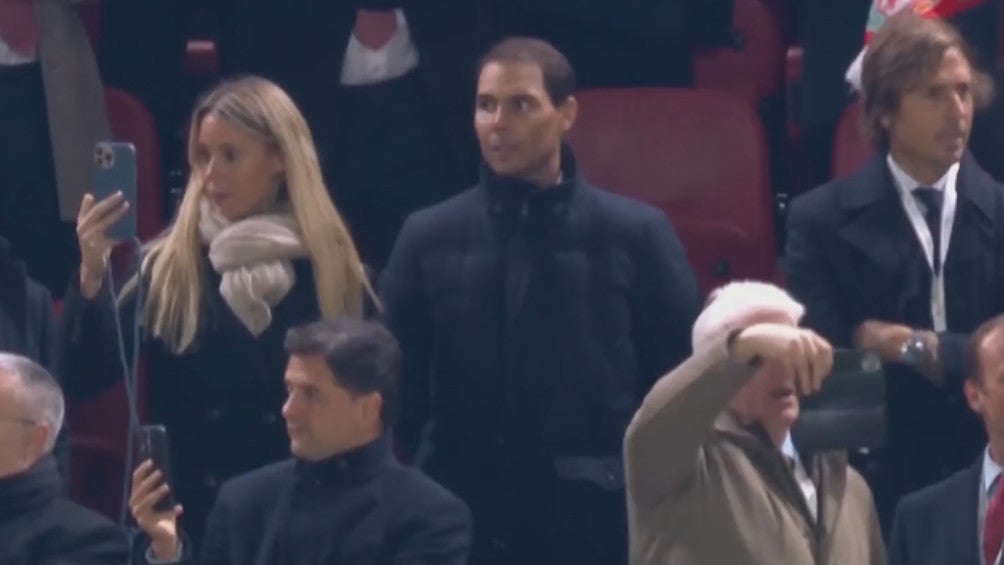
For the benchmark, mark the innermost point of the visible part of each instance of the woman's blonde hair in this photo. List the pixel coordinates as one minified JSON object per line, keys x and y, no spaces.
{"x":174,"y":263}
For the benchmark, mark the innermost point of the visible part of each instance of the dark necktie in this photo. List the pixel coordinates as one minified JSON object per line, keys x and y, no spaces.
{"x":17,"y":26}
{"x":932,"y":199}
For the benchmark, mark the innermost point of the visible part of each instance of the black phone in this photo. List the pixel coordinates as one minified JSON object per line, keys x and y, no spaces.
{"x":848,"y":412}
{"x":152,"y":444}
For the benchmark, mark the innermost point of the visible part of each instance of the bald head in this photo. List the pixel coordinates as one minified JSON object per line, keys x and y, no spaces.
{"x":986,"y":349}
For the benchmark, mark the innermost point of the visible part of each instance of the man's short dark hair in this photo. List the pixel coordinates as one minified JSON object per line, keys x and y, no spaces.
{"x":974,"y":362}
{"x":559,"y":77}
{"x":907,"y":49}
{"x":362,"y":354}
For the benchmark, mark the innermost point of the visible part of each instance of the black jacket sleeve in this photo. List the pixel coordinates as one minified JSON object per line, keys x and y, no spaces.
{"x":438,"y":534}
{"x":89,"y":348}
{"x":665,"y":303}
{"x":407,"y":314}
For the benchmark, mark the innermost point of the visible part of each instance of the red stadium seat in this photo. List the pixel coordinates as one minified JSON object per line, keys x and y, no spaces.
{"x":699,"y":156}
{"x":850,"y":148}
{"x":754,"y":67}
{"x":131,"y":121}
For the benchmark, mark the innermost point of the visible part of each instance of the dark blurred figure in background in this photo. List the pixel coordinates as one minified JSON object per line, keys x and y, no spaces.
{"x":52,"y":111}
{"x":384,"y":84}
{"x":28,"y":327}
{"x":624,"y":42}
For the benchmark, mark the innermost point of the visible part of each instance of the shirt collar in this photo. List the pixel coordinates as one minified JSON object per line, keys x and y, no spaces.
{"x":788,"y":448}
{"x":906,"y":183}
{"x":991,"y":470}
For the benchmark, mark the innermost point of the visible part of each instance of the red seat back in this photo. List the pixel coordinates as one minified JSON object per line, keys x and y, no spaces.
{"x":699,"y":156}
{"x":754,"y":66}
{"x":131,"y":121}
{"x":850,"y":148}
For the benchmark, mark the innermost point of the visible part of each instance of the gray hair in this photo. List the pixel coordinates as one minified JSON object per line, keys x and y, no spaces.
{"x":737,"y":303}
{"x":42,"y":398}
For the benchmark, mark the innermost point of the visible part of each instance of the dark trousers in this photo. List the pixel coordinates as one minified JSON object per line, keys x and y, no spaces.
{"x":524,"y":515}
{"x":29,"y":201}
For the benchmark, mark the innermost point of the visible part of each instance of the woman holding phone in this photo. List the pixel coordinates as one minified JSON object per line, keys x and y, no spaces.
{"x":257,"y":247}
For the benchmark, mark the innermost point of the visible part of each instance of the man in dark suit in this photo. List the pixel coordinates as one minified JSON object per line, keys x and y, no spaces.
{"x":961,"y":519}
{"x":343,"y":499}
{"x":38,"y":523}
{"x":534,"y":311}
{"x":905,"y":257}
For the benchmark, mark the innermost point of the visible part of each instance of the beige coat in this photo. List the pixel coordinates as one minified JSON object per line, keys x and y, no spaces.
{"x":704,"y":490}
{"x":74,"y":98}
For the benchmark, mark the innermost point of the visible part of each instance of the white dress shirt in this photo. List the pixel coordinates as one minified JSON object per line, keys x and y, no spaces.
{"x":801,"y":476}
{"x":905,"y":185}
{"x":371,"y":66}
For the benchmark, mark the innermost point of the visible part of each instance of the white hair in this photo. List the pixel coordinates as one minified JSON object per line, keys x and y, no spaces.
{"x":41,"y":398}
{"x":740,"y":302}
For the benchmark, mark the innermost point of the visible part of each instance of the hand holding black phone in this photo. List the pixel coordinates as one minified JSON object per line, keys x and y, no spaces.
{"x":152,"y":444}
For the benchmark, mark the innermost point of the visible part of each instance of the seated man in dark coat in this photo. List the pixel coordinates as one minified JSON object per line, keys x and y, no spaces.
{"x":38,"y":524}
{"x":343,"y":499}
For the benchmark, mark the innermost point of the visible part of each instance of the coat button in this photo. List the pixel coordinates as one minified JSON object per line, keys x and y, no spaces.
{"x":213,"y":415}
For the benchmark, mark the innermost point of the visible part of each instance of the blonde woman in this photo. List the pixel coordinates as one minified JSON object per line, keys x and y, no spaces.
{"x":257,"y":247}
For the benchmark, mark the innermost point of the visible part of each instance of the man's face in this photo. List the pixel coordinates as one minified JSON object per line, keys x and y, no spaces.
{"x":985,"y":394}
{"x":21,"y":440}
{"x":769,"y":397}
{"x":519,"y":129}
{"x":323,"y":418}
{"x":929,"y":131}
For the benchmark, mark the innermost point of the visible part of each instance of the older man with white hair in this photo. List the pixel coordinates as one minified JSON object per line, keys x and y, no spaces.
{"x":38,"y":524}
{"x":712,"y":474}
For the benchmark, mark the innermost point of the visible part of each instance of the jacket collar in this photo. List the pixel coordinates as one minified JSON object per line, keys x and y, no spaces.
{"x":351,"y":467}
{"x":514,"y":200}
{"x":29,"y":491}
{"x":828,"y":472}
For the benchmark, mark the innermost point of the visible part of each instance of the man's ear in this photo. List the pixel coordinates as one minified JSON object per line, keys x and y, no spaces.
{"x":971,"y":389}
{"x":38,"y":439}
{"x":372,"y":405}
{"x":569,"y":112}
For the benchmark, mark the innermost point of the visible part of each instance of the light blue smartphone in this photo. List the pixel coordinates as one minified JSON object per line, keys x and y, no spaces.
{"x":114,"y":171}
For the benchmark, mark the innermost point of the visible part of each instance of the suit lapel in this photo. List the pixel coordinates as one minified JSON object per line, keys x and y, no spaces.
{"x":960,"y":514}
{"x":829,"y":472}
{"x":877,"y":227}
{"x":970,"y":261}
{"x":766,"y":459}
